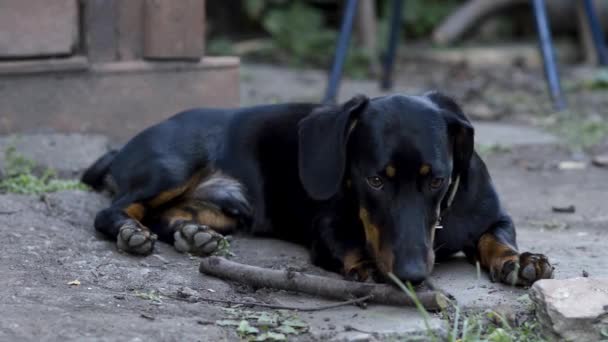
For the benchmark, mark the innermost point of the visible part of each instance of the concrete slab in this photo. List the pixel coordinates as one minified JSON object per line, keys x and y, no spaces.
{"x":117,"y":99}
{"x":507,"y":135}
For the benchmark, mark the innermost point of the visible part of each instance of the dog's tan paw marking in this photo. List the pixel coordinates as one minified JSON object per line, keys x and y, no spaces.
{"x":196,"y":239}
{"x":134,"y":239}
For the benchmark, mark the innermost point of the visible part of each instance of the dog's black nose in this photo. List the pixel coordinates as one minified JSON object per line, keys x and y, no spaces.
{"x":414,"y":275}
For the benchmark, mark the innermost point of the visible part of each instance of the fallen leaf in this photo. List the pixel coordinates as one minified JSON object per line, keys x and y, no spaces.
{"x":271,"y":336}
{"x":267,"y":320}
{"x":75,"y":282}
{"x":286,"y":329}
{"x":295,"y":323}
{"x":246,"y":329}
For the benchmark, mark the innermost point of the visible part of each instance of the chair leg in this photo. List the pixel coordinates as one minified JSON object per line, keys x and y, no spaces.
{"x":546,"y":46}
{"x":341,"y":51}
{"x":386,"y":81}
{"x":599,"y":40}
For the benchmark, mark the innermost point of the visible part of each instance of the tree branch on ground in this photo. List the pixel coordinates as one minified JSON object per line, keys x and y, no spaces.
{"x":316,"y":285}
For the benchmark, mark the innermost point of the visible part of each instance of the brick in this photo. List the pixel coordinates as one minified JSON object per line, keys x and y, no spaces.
{"x":36,"y":28}
{"x":101,"y":22}
{"x":174,"y":29}
{"x":130,"y":29}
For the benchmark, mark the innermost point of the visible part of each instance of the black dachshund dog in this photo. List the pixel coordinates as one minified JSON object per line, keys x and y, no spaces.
{"x":371,"y":186}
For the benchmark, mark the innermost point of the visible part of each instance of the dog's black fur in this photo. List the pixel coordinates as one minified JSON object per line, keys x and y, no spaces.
{"x":363,"y":184}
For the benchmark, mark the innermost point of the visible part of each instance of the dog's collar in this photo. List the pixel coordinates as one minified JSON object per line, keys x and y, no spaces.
{"x":453,"y":188}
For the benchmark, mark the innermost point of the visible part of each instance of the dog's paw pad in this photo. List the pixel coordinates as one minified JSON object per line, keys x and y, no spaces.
{"x":134,"y":239}
{"x":196,"y":239}
{"x":534,"y":267}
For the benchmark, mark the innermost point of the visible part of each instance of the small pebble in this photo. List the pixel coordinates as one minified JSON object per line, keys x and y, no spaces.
{"x":571,"y":165}
{"x":569,"y":209}
{"x":186,"y":292}
{"x":600,"y":160}
{"x":148,"y":317}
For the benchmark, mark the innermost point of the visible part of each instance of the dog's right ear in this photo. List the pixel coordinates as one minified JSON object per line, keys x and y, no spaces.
{"x":322,"y":139}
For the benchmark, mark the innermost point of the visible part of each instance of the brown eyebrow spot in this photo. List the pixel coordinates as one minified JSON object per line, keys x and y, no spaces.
{"x":424,"y":169}
{"x":390,"y":170}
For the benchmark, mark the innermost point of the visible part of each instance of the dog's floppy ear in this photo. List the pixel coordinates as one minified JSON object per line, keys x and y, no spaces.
{"x":461,"y":134}
{"x":322,"y":140}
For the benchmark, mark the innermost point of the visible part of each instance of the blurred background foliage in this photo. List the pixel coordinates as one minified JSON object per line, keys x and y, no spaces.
{"x":303,"y":33}
{"x":300,"y":33}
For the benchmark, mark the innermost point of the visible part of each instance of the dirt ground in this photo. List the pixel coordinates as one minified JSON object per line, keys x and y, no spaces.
{"x":62,"y":281}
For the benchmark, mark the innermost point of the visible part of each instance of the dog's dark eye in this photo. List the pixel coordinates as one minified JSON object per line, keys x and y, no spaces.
{"x":375,"y":182}
{"x":436,"y":183}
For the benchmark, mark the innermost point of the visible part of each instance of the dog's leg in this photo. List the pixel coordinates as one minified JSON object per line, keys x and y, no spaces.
{"x":193,"y":226}
{"x":497,"y":252}
{"x":195,"y":222}
{"x":123,"y":223}
{"x":123,"y":219}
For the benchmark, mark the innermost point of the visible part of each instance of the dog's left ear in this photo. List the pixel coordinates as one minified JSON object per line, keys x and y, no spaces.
{"x":322,"y":140}
{"x":461,"y":134}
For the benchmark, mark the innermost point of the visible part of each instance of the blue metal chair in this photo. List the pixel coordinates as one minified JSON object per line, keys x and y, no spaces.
{"x":544,"y":33}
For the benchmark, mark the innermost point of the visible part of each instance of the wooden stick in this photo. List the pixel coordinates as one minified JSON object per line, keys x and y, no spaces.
{"x":316,"y":285}
{"x":272,"y":306}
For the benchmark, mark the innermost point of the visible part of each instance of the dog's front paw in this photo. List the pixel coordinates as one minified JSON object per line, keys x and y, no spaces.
{"x":196,"y":239}
{"x":134,"y":239}
{"x":355,"y":267}
{"x":529,"y":268}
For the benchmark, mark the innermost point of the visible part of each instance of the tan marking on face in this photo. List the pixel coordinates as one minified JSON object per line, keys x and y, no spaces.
{"x":349,"y":183}
{"x":424,"y":169}
{"x":391,"y":171}
{"x":385,"y":260}
{"x":372,"y":233}
{"x":382,"y":251}
{"x":135,"y":211}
